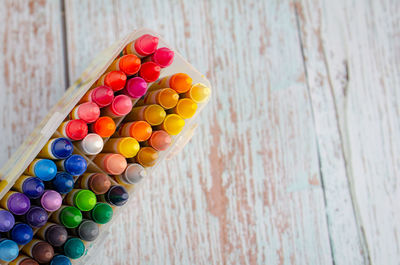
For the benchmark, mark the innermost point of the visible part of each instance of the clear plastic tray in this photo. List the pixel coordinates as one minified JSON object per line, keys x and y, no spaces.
{"x":47,"y":128}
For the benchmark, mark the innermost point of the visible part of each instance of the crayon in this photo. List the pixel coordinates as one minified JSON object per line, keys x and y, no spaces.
{"x":147,"y":156}
{"x":198,"y":93}
{"x":57,"y":148}
{"x":162,"y":56}
{"x":54,"y":234}
{"x":101,"y":213}
{"x":140,"y":130}
{"x":8,"y":249}
{"x":39,"y":250}
{"x":44,"y":169}
{"x":132,"y":174}
{"x":75,"y":165}
{"x":82,"y":199}
{"x":120,"y":106}
{"x":185,"y":108}
{"x":129,"y":64}
{"x":142,"y":46}
{"x":179,"y":82}
{"x":92,"y":144}
{"x":172,"y":124}
{"x":135,"y":88}
{"x":36,"y":216}
{"x":88,"y":112}
{"x":74,"y":130}
{"x":159,"y":140}
{"x":99,"y":183}
{"x":51,"y":200}
{"x":126,"y":146}
{"x":21,"y":233}
{"x":63,"y":182}
{"x":104,"y":126}
{"x":153,"y":114}
{"x":74,"y":248}
{"x":68,"y":216}
{"x":101,"y":95}
{"x":113,"y":164}
{"x":23,"y":260}
{"x":115,"y":80}
{"x":60,"y":260}
{"x":165,"y":97}
{"x":32,"y":187}
{"x":7,"y":220}
{"x":115,"y":196}
{"x":87,"y":230}
{"x":15,"y":202}
{"x":150,"y":71}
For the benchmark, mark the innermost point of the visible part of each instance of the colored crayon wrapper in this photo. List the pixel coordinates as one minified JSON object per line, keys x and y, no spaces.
{"x":31,"y":168}
{"x":84,"y":180}
{"x":23,"y":260}
{"x":4,"y":200}
{"x":20,"y":182}
{"x":47,"y":151}
{"x":180,"y":82}
{"x":73,"y":130}
{"x":55,"y":217}
{"x":69,"y":199}
{"x":41,"y":233}
{"x":54,"y":234}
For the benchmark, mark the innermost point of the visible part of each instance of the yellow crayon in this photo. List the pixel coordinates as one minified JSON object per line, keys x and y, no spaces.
{"x":153,"y":114}
{"x":198,"y":93}
{"x":126,"y":146}
{"x":172,"y":124}
{"x":185,"y":108}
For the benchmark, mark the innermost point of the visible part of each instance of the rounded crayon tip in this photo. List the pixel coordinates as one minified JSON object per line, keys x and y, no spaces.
{"x":89,"y":112}
{"x":115,"y":164}
{"x":115,"y":80}
{"x":8,"y":250}
{"x":60,"y":260}
{"x":199,"y":92}
{"x":168,"y":98}
{"x":102,"y":96}
{"x":88,"y":230}
{"x":99,"y":183}
{"x":63,"y":182}
{"x":140,"y":130}
{"x":33,"y":187}
{"x":186,"y":108}
{"x":56,"y":235}
{"x":136,"y":87}
{"x":147,"y":156}
{"x":42,"y":252}
{"x":75,"y":165}
{"x":129,"y":64}
{"x":104,"y":126}
{"x":22,"y":233}
{"x":180,"y":82}
{"x":173,"y":124}
{"x":160,"y":140}
{"x":134,"y":173}
{"x":51,"y":200}
{"x":146,"y":45}
{"x":92,"y":144}
{"x":45,"y":169}
{"x":28,"y":261}
{"x":117,"y":195}
{"x":163,"y":57}
{"x":102,"y":213}
{"x":121,"y":105}
{"x":7,"y":221}
{"x":154,"y":114}
{"x":128,"y":147}
{"x":74,"y":248}
{"x":62,"y":148}
{"x":76,"y":129}
{"x":70,"y":217}
{"x":18,"y":203}
{"x":36,"y":216}
{"x":150,"y":71}
{"x":85,"y":200}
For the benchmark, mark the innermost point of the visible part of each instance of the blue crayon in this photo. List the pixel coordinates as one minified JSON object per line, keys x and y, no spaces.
{"x":44,"y":169}
{"x":21,"y":233}
{"x":60,"y":260}
{"x":75,"y":165}
{"x":32,"y":187}
{"x":58,"y":148}
{"x":63,"y":182}
{"x":8,"y":250}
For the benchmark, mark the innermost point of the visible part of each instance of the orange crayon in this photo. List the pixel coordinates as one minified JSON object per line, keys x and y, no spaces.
{"x":147,"y":156}
{"x":140,"y":130}
{"x":126,"y":146}
{"x":165,"y":97}
{"x":129,"y":64}
{"x":104,"y":126}
{"x":179,"y":82}
{"x":116,"y":80}
{"x":172,"y":124}
{"x":153,"y":114}
{"x":185,"y":108}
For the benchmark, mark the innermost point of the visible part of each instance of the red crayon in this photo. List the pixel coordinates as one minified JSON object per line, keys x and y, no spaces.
{"x":129,"y":64}
{"x":101,"y":95}
{"x":120,"y":106}
{"x":142,"y":46}
{"x":74,"y":129}
{"x":116,"y":80}
{"x":150,"y":71}
{"x":88,"y":112}
{"x":163,"y":57}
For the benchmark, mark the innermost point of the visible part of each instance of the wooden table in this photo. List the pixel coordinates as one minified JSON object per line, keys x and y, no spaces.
{"x":296,"y":159}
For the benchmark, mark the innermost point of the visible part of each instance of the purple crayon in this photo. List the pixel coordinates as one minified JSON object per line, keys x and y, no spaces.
{"x":15,"y":202}
{"x":7,"y":220}
{"x":36,"y":216}
{"x":51,"y":200}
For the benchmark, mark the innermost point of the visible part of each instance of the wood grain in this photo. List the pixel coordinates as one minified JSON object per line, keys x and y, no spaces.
{"x":246,"y":190}
{"x":32,"y":68}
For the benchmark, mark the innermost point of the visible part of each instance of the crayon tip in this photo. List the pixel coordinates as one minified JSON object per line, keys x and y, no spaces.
{"x":76,"y":129}
{"x":180,"y":82}
{"x":163,"y":57}
{"x":121,"y":105}
{"x":146,"y":45}
{"x":129,"y":64}
{"x":173,"y":124}
{"x":8,"y":250}
{"x":115,"y":80}
{"x":150,"y":71}
{"x":102,"y":96}
{"x":154,"y":114}
{"x":104,"y":126}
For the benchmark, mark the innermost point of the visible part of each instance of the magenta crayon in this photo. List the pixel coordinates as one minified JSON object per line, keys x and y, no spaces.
{"x":51,"y":200}
{"x":101,"y":95}
{"x":142,"y":46}
{"x":116,"y":80}
{"x":99,"y":183}
{"x":88,"y":112}
{"x":132,"y":174}
{"x":76,"y":165}
{"x":36,"y":216}
{"x":162,"y":56}
{"x":39,"y":250}
{"x":32,"y":187}
{"x":135,"y":88}
{"x":15,"y":202}
{"x":44,"y":169}
{"x":120,"y":106}
{"x":73,"y":130}
{"x":92,"y":144}
{"x":7,"y":220}
{"x":54,"y":234}
{"x":115,"y":196}
{"x":57,"y":148}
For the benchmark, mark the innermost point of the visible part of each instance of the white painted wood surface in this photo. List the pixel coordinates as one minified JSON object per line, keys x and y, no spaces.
{"x":296,"y":157}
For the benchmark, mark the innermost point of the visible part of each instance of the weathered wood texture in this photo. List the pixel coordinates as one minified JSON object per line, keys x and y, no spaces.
{"x":32,"y":68}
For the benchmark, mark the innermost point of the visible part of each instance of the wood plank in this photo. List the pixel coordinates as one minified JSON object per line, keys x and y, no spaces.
{"x":247,"y":187}
{"x":32,"y":68}
{"x":354,"y":74}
